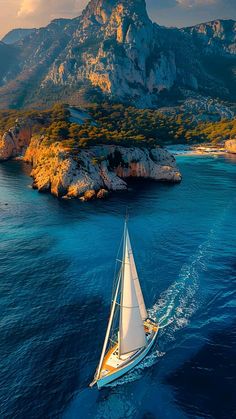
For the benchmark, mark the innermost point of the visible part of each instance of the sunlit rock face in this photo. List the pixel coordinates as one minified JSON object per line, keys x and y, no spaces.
{"x":119,"y":50}
{"x":97,"y":170}
{"x":230,"y":146}
{"x":15,"y":141}
{"x":119,"y":61}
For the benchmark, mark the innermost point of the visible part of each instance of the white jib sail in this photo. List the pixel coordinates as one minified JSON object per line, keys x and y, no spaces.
{"x":131,"y":330}
{"x":134,"y":273}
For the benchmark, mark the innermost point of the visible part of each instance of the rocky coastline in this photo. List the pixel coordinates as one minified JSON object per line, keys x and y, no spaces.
{"x":15,"y":141}
{"x":230,"y":146}
{"x":96,"y":171}
{"x":89,"y":173}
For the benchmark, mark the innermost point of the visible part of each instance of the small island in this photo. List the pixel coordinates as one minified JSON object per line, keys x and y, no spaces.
{"x":73,"y":155}
{"x":86,"y":153}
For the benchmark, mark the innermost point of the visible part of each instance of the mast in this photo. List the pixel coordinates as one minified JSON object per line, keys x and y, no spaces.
{"x":108,"y":330}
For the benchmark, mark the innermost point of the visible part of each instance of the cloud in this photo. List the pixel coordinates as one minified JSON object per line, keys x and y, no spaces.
{"x":36,"y":13}
{"x":28,"y":7}
{"x":195,"y":3}
{"x":165,"y":4}
{"x":39,"y":9}
{"x":190,"y":12}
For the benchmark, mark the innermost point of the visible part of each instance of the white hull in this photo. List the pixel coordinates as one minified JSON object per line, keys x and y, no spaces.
{"x":102,"y":382}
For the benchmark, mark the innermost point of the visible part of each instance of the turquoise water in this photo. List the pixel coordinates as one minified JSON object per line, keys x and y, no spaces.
{"x":57,"y":260}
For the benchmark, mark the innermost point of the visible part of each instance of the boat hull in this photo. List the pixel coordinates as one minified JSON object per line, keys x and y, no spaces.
{"x":103,"y":382}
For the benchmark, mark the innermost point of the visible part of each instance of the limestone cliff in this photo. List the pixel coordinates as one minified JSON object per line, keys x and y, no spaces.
{"x":119,"y":50}
{"x":15,"y":141}
{"x":89,"y":172}
{"x":96,"y":170}
{"x":230,"y":146}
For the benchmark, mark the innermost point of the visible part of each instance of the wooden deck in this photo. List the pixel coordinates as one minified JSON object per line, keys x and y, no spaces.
{"x":148,"y":327}
{"x":105,"y":366}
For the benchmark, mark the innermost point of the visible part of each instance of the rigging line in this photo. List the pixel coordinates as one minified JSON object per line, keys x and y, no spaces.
{"x":113,"y":341}
{"x":117,"y":260}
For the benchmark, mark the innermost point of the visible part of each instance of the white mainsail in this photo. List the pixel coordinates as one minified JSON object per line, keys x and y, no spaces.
{"x":131,"y":329}
{"x":134,"y":273}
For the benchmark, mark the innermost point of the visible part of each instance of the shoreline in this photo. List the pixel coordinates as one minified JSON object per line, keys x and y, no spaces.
{"x":196,"y":150}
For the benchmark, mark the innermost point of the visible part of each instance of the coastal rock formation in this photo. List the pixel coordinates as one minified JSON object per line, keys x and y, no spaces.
{"x":230,"y":146}
{"x":94,"y":171}
{"x":15,"y":141}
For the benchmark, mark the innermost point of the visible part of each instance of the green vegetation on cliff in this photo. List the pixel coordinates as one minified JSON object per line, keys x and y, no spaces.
{"x":117,"y":124}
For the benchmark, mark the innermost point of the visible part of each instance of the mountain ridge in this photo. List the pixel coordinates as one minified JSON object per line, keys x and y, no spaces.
{"x":16,"y":35}
{"x":114,"y":51}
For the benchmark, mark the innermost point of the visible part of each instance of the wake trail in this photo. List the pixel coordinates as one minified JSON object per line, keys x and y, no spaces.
{"x":178,"y":303}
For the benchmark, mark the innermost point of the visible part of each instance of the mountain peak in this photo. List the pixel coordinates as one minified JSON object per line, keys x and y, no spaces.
{"x":102,"y":10}
{"x":114,"y":50}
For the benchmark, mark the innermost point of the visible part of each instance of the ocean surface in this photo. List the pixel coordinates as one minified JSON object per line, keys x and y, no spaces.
{"x":57,"y":262}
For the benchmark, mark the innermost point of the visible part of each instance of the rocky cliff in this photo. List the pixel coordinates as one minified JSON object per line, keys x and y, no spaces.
{"x":88,"y":172}
{"x":15,"y":141}
{"x":130,"y":58}
{"x":230,"y":146}
{"x":95,"y":171}
{"x":113,"y":49}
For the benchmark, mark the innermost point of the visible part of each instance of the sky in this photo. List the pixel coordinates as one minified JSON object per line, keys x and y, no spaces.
{"x":36,"y":13}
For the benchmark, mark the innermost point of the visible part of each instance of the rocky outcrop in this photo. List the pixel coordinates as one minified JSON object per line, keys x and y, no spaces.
{"x":15,"y":141}
{"x":88,"y":173}
{"x":230,"y":146}
{"x":102,"y":194}
{"x":95,"y":171}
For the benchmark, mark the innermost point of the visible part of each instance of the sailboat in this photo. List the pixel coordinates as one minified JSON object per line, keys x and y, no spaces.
{"x":131,"y":333}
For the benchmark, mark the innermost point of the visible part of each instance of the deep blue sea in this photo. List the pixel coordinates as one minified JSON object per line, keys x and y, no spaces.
{"x":57,"y":262}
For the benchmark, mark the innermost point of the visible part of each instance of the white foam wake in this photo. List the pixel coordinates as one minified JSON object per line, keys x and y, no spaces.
{"x":178,"y":303}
